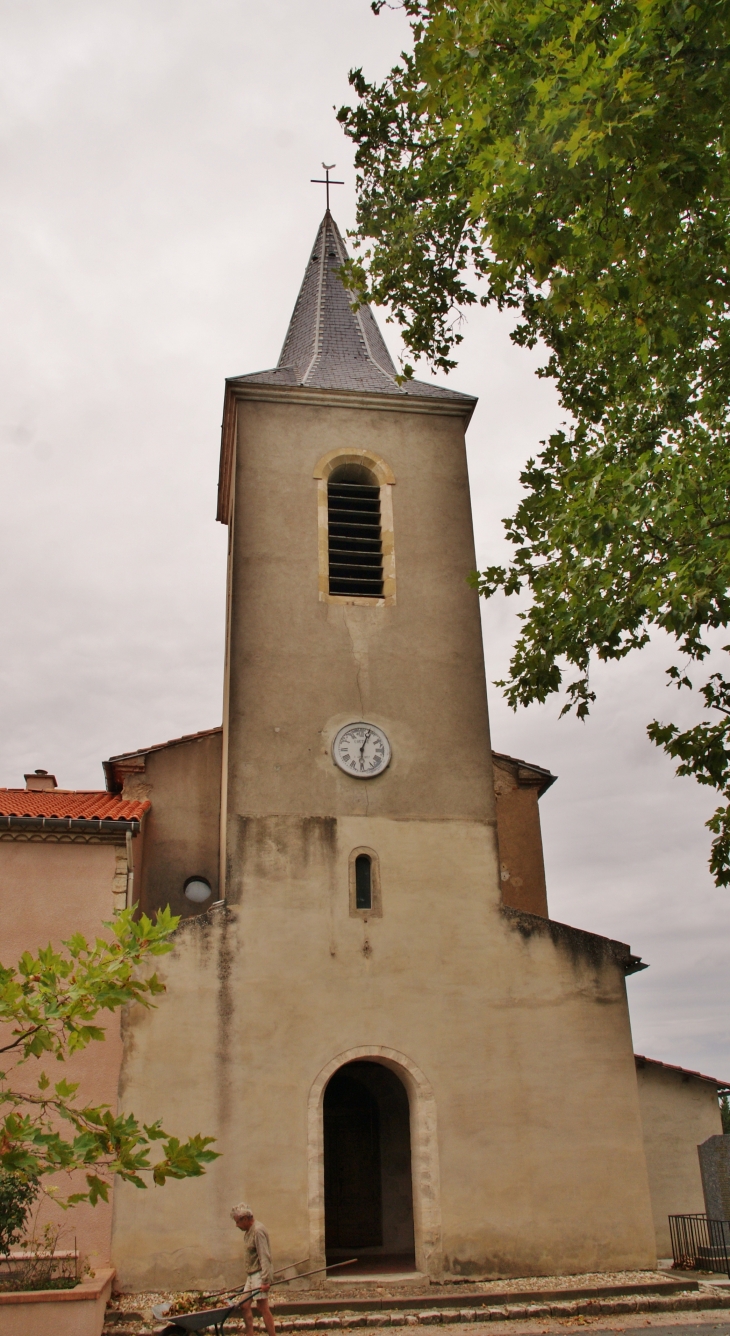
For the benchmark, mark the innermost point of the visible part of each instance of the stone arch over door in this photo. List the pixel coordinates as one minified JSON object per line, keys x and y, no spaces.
{"x":424,"y":1154}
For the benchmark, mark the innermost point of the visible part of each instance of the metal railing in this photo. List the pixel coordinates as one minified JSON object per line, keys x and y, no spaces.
{"x":699,"y":1243}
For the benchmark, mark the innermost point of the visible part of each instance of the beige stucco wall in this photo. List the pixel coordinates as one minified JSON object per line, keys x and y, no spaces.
{"x":514,"y":1047}
{"x":300,"y":667}
{"x":47,"y":892}
{"x":182,"y":829}
{"x":678,"y":1112}
{"x":521,"y":859}
{"x":515,"y":1052}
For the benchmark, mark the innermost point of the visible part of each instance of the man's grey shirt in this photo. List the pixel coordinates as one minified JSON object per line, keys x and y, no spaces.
{"x":257,"y":1252}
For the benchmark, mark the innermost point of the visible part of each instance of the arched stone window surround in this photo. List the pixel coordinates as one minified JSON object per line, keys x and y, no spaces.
{"x":376,"y":908}
{"x":424,"y":1154}
{"x":386,"y":479}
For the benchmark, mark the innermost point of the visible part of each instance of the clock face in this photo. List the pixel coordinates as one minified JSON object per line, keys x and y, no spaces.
{"x":361,"y":750}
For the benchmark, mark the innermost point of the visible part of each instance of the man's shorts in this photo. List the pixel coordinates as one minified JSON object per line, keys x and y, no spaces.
{"x":253,"y":1283}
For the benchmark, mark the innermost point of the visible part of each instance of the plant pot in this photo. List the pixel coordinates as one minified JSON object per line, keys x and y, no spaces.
{"x":76,"y":1312}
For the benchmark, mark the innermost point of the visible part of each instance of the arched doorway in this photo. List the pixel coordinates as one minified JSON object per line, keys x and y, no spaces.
{"x":368,"y":1190}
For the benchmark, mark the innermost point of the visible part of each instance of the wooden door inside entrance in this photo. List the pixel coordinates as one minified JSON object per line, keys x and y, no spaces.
{"x":368,"y":1194}
{"x":352,"y":1171}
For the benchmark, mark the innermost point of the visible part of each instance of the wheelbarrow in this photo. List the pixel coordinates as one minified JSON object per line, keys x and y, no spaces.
{"x":211,"y":1317}
{"x":217,"y":1317}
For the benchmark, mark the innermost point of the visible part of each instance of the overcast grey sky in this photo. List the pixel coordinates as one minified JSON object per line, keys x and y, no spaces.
{"x":156,"y":218}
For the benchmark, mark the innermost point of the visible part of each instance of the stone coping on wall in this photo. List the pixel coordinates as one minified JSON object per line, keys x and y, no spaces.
{"x":587,"y":945}
{"x":89,"y":1289}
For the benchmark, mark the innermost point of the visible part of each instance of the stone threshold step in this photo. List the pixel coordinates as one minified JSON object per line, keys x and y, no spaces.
{"x":620,"y":1303}
{"x":379,"y":1278}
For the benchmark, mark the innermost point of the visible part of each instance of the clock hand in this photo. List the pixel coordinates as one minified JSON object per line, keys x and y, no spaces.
{"x":362,"y":749}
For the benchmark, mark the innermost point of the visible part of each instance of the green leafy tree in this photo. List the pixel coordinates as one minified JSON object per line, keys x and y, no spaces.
{"x":569,"y":160}
{"x":17,"y":1194}
{"x":725,"y":1113}
{"x":49,"y":1007}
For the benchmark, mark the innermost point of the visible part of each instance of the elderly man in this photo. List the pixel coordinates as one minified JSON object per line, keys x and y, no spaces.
{"x":259,"y":1273}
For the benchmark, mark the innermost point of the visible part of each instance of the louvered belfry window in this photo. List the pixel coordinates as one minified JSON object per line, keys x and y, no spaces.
{"x":355,"y":541}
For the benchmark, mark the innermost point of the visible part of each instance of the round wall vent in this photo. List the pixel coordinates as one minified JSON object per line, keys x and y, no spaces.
{"x":197,"y":889}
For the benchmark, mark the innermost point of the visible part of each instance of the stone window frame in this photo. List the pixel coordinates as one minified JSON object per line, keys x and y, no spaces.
{"x":376,"y":894}
{"x":386,"y":481}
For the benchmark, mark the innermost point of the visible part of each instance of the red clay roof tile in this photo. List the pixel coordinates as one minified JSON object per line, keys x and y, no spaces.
{"x":79,"y":804}
{"x":684,"y":1071}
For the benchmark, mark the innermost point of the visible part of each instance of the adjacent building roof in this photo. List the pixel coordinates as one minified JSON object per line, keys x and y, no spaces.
{"x":330,"y":345}
{"x":118,"y":767}
{"x":527,"y":774}
{"x":78,"y":804}
{"x":641,"y":1061}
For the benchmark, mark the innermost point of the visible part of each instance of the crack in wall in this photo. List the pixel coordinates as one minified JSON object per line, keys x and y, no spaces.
{"x":358,"y":629}
{"x":358,"y":634}
{"x":225,"y":1009}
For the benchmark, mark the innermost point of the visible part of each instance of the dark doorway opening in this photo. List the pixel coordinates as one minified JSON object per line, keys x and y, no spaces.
{"x":368,"y":1193}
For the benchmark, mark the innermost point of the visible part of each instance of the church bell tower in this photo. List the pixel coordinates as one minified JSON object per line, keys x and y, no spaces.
{"x":358,"y":824}
{"x":396,"y":1064}
{"x":347,"y":500}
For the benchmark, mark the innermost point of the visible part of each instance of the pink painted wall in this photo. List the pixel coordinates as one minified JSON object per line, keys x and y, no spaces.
{"x":47,"y":892}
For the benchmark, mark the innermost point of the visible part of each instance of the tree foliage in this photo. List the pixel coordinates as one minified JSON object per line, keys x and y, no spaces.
{"x":569,"y":160}
{"x":17,"y":1194}
{"x":49,"y":1008}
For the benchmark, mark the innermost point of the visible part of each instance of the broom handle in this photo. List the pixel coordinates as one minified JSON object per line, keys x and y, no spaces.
{"x":317,"y":1271}
{"x":214,"y":1294}
{"x":286,"y":1268}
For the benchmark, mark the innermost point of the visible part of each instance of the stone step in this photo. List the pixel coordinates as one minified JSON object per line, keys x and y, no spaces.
{"x":694,"y":1301}
{"x":464,"y":1299}
{"x":456,"y":1299}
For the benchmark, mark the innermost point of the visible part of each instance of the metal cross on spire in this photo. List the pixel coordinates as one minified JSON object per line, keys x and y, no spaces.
{"x":317,"y":180}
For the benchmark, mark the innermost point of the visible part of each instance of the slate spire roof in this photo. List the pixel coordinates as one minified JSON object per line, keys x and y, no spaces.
{"x":330,"y":345}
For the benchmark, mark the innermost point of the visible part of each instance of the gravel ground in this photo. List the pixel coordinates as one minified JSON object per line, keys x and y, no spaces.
{"x":664,"y":1324}
{"x":673,"y":1324}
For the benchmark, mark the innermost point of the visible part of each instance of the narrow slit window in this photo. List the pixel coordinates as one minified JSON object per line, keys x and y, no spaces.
{"x":355,"y":542}
{"x":363,"y":882}
{"x":365,"y":895}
